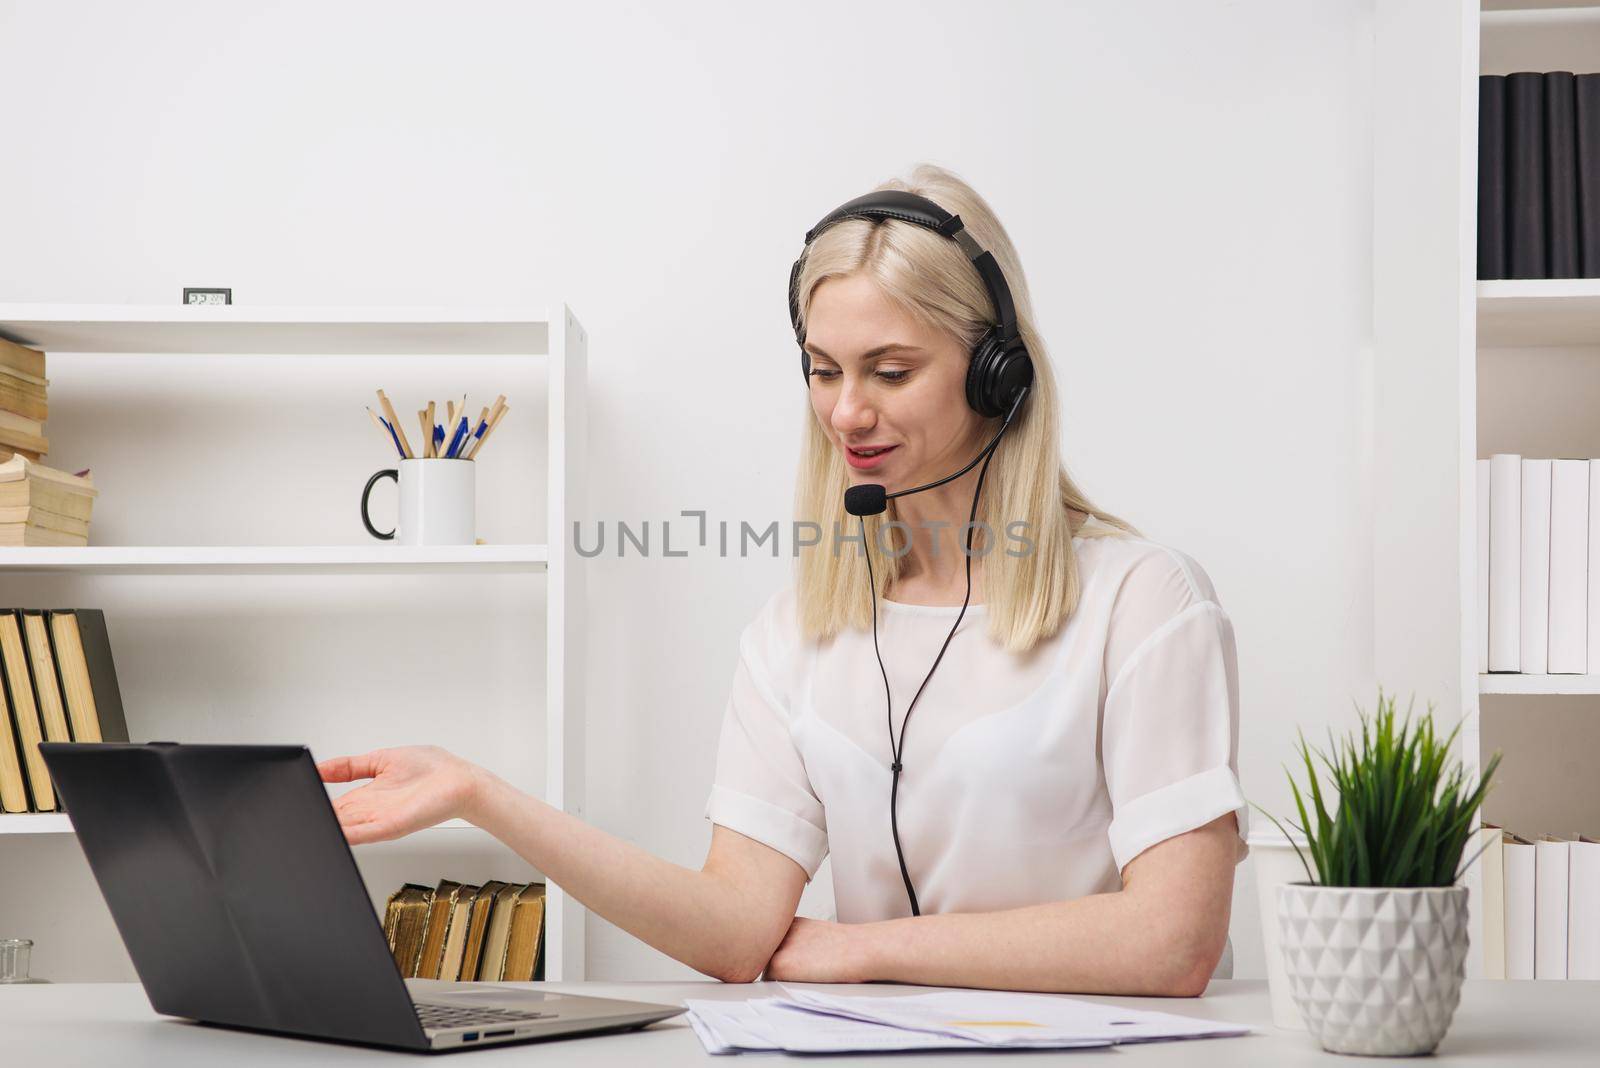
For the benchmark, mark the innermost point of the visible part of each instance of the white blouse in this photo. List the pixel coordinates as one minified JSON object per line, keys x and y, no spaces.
{"x":1027,"y":779}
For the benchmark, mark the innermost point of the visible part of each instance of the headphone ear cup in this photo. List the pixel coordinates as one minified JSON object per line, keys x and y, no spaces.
{"x":805,"y":367}
{"x":995,"y":375}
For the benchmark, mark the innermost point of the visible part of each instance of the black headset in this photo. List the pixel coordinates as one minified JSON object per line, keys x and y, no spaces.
{"x":1000,"y":367}
{"x":999,"y":379}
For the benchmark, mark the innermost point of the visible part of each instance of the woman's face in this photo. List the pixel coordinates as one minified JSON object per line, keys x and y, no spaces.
{"x":883,"y":382}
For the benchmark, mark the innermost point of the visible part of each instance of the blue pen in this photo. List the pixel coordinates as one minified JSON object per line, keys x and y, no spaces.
{"x":393,"y":436}
{"x":438,"y":438}
{"x":457,"y":438}
{"x":477,"y":435}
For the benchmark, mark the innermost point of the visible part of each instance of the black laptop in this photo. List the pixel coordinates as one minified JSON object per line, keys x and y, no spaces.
{"x":241,"y":905}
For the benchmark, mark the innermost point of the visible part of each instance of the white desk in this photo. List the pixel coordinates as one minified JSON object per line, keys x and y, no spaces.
{"x":111,"y":1023}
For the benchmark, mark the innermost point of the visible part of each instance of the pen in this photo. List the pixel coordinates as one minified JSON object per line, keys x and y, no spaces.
{"x":383,"y":424}
{"x":457,"y":438}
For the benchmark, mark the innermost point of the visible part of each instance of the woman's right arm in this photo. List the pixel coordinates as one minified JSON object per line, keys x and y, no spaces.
{"x":725,"y":920}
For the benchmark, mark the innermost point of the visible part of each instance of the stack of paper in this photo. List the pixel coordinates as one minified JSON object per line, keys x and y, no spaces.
{"x":807,"y":1021}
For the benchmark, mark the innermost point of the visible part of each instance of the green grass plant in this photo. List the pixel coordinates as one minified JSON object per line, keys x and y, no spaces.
{"x":1396,"y":810}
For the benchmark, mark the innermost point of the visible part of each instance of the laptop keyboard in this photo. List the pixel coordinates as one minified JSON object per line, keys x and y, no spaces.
{"x":471,"y":1016}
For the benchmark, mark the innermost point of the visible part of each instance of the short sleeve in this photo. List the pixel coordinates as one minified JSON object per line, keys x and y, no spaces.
{"x":1170,"y":728}
{"x":761,"y":789}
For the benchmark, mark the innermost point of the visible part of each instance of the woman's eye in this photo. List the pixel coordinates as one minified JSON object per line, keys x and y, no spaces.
{"x":893,"y":376}
{"x":823,"y":373}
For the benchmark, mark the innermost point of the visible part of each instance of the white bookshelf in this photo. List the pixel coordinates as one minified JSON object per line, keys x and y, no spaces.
{"x":1545,"y":330}
{"x":551,"y":335}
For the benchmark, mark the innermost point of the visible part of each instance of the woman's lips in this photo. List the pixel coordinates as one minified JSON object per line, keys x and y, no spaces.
{"x":867,"y":463}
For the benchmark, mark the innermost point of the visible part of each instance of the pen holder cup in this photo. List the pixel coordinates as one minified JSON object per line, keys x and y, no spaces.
{"x":437,"y":503}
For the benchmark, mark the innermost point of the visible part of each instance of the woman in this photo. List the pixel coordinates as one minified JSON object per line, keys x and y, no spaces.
{"x":1066,"y":813}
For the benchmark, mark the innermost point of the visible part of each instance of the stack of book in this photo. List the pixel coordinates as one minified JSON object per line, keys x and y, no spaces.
{"x":57,"y":684}
{"x":1538,"y":566}
{"x":42,"y":506}
{"x":453,"y":931}
{"x":22,"y":401}
{"x":1541,"y":906}
{"x":1539,"y":175}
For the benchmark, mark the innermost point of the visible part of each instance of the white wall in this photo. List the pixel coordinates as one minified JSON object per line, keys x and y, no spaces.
{"x":1190,"y":188}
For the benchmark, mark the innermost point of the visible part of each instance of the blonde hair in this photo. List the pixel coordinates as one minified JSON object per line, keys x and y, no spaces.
{"x":1029,"y":596}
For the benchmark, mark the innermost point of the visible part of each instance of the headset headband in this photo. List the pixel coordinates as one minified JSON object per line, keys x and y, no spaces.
{"x":909,"y":207}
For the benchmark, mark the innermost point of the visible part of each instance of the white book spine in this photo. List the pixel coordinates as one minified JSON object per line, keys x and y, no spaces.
{"x":1483,"y":565}
{"x":1550,"y":910}
{"x":1569,"y":567}
{"x":1519,"y":916}
{"x":1583,"y":911}
{"x":1505,"y":562}
{"x":1594,"y":567}
{"x":1493,"y":870}
{"x":1535,"y":622}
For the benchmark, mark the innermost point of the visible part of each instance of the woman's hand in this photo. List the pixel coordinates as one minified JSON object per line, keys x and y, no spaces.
{"x":412,"y":787}
{"x":820,"y":951}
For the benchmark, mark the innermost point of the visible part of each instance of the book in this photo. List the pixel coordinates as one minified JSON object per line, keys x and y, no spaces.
{"x":19,"y":534}
{"x":47,"y":496}
{"x":21,"y":358}
{"x":38,"y":517}
{"x":24,"y":711}
{"x":21,"y":425}
{"x":1561,"y":175}
{"x":491,"y":966}
{"x":88,"y":675}
{"x":16,"y":468}
{"x":1525,"y":177}
{"x":1583,"y":909}
{"x":1493,"y":871}
{"x":523,"y":942}
{"x":477,"y":928}
{"x":1550,"y":908}
{"x":1535,"y":620}
{"x":1586,"y":119}
{"x":440,"y":909}
{"x":1569,"y":567}
{"x":13,"y":782}
{"x":1483,"y":470}
{"x":1519,"y":915}
{"x":1492,"y":176}
{"x":31,"y":446}
{"x":46,"y":687}
{"x":1505,"y":562}
{"x":27,"y":404}
{"x":455,"y":937}
{"x":405,"y":920}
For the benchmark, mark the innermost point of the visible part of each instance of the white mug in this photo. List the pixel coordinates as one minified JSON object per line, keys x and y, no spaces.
{"x":437,"y":498}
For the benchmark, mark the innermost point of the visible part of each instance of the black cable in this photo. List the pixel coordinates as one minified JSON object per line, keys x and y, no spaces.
{"x":898,"y":749}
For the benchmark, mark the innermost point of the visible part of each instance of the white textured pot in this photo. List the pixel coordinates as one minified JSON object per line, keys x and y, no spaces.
{"x":1374,"y":970}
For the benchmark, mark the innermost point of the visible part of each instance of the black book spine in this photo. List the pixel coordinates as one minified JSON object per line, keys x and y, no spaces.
{"x":1586,"y":112}
{"x":1561,"y":175}
{"x":1525,"y":183}
{"x":102,"y":674}
{"x":1492,"y":176}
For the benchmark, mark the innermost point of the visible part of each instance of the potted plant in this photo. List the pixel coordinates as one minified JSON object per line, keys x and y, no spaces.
{"x":1375,"y":941}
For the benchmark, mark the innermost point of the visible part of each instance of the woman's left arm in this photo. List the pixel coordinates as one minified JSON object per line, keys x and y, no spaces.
{"x":1161,"y":934}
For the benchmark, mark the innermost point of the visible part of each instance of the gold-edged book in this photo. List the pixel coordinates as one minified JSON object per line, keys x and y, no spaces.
{"x":25,"y":710}
{"x":455,"y":938}
{"x":439,"y":912}
{"x":478,"y":928}
{"x":491,"y":968}
{"x":405,"y":921}
{"x":522,"y":944}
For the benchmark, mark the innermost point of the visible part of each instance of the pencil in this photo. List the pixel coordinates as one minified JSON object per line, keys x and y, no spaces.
{"x":394,"y":424}
{"x":427,"y":432}
{"x":504,"y":408}
{"x":422,"y":421}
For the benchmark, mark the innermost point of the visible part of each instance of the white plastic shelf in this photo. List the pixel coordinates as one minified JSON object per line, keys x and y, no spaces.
{"x":274,"y":559}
